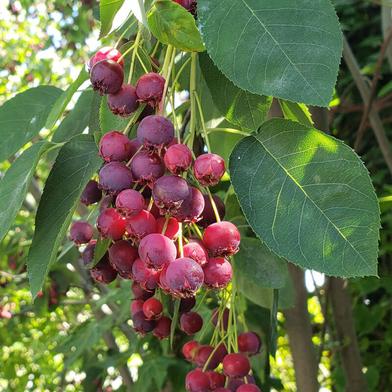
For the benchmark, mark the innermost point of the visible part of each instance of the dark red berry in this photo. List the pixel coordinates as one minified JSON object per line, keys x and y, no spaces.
{"x":197,"y":381}
{"x":191,"y":323}
{"x":152,"y":309}
{"x":249,"y":343}
{"x":103,"y":271}
{"x":204,"y":354}
{"x":217,"y":273}
{"x":141,"y":324}
{"x":208,"y":216}
{"x":236,"y":365}
{"x":91,"y":193}
{"x":192,"y":207}
{"x":178,"y":158}
{"x":140,"y":293}
{"x":129,"y":202}
{"x":172,"y":227}
{"x":209,"y":169}
{"x":184,"y":277}
{"x":146,"y":277}
{"x":124,"y":102}
{"x":140,"y":225}
{"x":220,"y":353}
{"x":222,"y":239}
{"x":235,"y":383}
{"x":115,"y":146}
{"x":149,"y":88}
{"x":106,"y":202}
{"x":155,"y":132}
{"x":222,"y":319}
{"x":115,"y":177}
{"x":162,"y":329}
{"x":107,"y":77}
{"x":217,"y":380}
{"x":169,"y":192}
{"x":157,"y":250}
{"x":189,"y":350}
{"x":195,"y":250}
{"x":146,"y":168}
{"x":88,"y":253}
{"x":111,"y":224}
{"x":106,"y":53}
{"x":81,"y":232}
{"x":187,"y":304}
{"x":136,"y":306}
{"x":248,"y":388}
{"x":122,"y":256}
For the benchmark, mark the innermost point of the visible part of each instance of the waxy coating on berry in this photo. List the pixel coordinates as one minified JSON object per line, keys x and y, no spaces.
{"x":195,"y":250}
{"x":184,"y":277}
{"x":140,"y":225}
{"x":217,"y":273}
{"x":81,"y":232}
{"x":147,"y":168}
{"x":236,"y":365}
{"x":103,"y":271}
{"x":106,"y":53}
{"x":129,"y":202}
{"x":172,"y":227}
{"x":136,"y":306}
{"x":115,"y":146}
{"x":122,"y":256}
{"x":157,"y":250}
{"x":222,"y":239}
{"x":139,"y":293}
{"x":155,"y":132}
{"x":152,"y":309}
{"x":248,"y":388}
{"x":191,"y":208}
{"x":124,"y":102}
{"x":111,"y":224}
{"x":209,"y":169}
{"x":178,"y":158}
{"x":191,"y":323}
{"x":148,"y":278}
{"x":162,"y":329}
{"x":107,"y":77}
{"x":114,"y":177}
{"x":197,"y":381}
{"x":208,"y":215}
{"x":189,"y":350}
{"x":149,"y":88}
{"x":249,"y":343}
{"x":91,"y":193}
{"x":141,"y":324}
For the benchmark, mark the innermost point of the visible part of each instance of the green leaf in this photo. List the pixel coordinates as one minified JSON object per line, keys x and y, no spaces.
{"x":15,"y":183}
{"x":282,"y":48}
{"x":107,"y":11}
{"x":101,"y":248}
{"x":222,"y":142}
{"x":238,"y":106}
{"x":77,"y":161}
{"x":22,"y":117}
{"x":138,"y":10}
{"x":108,"y":121}
{"x":296,"y":112}
{"x":308,"y":197}
{"x":173,"y":25}
{"x":63,"y":100}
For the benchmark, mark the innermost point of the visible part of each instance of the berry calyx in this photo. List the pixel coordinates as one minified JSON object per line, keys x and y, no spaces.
{"x":236,"y":365}
{"x":222,"y":239}
{"x":178,"y":158}
{"x":121,"y":257}
{"x":189,"y":350}
{"x":209,"y":169}
{"x":197,"y":381}
{"x":106,"y":53}
{"x":115,"y":146}
{"x":129,"y":202}
{"x":155,"y":132}
{"x":107,"y":77}
{"x":111,"y":224}
{"x":124,"y":102}
{"x":162,"y":329}
{"x":191,"y":323}
{"x":249,"y":343}
{"x":140,"y":225}
{"x":91,"y":193}
{"x":217,"y":273}
{"x":81,"y":232}
{"x":195,"y":250}
{"x":115,"y":177}
{"x":152,"y":309}
{"x":146,"y":168}
{"x":149,"y":88}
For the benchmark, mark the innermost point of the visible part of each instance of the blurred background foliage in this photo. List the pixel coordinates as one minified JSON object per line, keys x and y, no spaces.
{"x":60,"y":343}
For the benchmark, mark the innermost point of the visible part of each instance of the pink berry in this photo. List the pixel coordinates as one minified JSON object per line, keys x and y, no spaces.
{"x":222,"y":239}
{"x":107,"y":77}
{"x":124,"y":102}
{"x":149,"y":88}
{"x":129,"y":202}
{"x":156,"y":250}
{"x":209,"y":169}
{"x":217,"y":273}
{"x":178,"y":158}
{"x":236,"y":365}
{"x":184,"y":277}
{"x":147,"y":168}
{"x":115,"y":146}
{"x":155,"y":132}
{"x":249,"y":343}
{"x":195,"y":250}
{"x":106,"y":53}
{"x":91,"y":193}
{"x":136,"y":306}
{"x":248,"y":388}
{"x":140,"y":293}
{"x":197,"y":381}
{"x":162,"y":329}
{"x":217,"y":380}
{"x":115,"y":177}
{"x":81,"y":232}
{"x":191,"y":208}
{"x":103,"y":271}
{"x":140,"y":225}
{"x":172,"y":228}
{"x":191,"y":323}
{"x":189,"y":350}
{"x":111,"y":224}
{"x":208,"y":215}
{"x":152,"y":309}
{"x":204,"y":354}
{"x":146,"y":277}
{"x":141,"y":324}
{"x":122,"y":256}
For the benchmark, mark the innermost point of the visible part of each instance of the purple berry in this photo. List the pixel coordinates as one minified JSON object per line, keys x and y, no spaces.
{"x":149,"y":88}
{"x":107,"y":77}
{"x":115,"y":177}
{"x":222,"y":239}
{"x":103,"y":271}
{"x":141,"y":324}
{"x":81,"y":232}
{"x":178,"y":158}
{"x":217,"y":273}
{"x":191,"y":208}
{"x":140,"y":293}
{"x":209,"y":169}
{"x":124,"y":102}
{"x":115,"y":146}
{"x":162,"y":329}
{"x":155,"y":132}
{"x":121,"y":257}
{"x":91,"y":193}
{"x":129,"y":202}
{"x":146,"y":168}
{"x":191,"y":323}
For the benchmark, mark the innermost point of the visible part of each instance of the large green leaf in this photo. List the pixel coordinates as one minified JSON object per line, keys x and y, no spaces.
{"x":77,"y":161}
{"x":284,"y":48}
{"x":14,"y":184}
{"x":107,"y":11}
{"x":22,"y":117}
{"x":108,"y":121}
{"x":309,"y":197}
{"x":238,"y":106}
{"x":173,"y":25}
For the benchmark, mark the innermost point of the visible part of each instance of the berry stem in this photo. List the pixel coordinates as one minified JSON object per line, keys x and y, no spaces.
{"x":197,"y":230}
{"x":176,"y":313}
{"x":123,"y":34}
{"x":166,"y":72}
{"x":165,"y":224}
{"x":133,"y":119}
{"x":180,"y":242}
{"x":214,"y":207}
{"x":135,"y":48}
{"x":138,"y":150}
{"x":203,"y":125}
{"x":150,"y":204}
{"x":213,"y":352}
{"x":227,"y":130}
{"x":141,"y":62}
